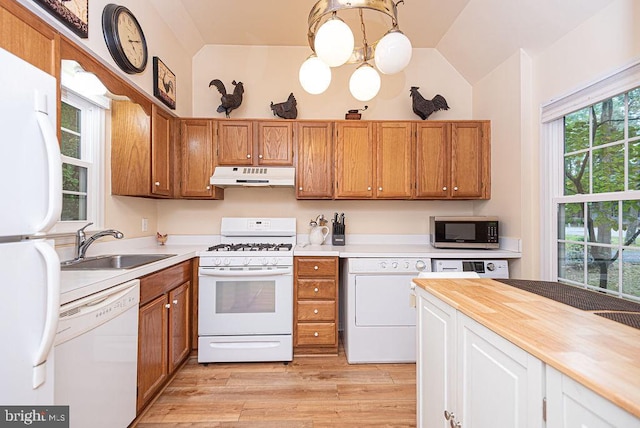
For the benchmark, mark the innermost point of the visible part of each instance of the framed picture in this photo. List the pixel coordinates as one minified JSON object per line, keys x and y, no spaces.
{"x":164,"y":83}
{"x":73,"y":13}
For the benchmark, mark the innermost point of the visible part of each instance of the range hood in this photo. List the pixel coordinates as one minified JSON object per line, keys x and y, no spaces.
{"x":248,"y":176}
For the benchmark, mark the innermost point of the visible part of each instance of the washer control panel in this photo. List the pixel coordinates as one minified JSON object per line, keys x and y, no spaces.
{"x":484,"y":268}
{"x":389,"y":265}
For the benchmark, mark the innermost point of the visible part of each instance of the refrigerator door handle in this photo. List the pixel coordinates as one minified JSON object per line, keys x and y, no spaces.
{"x":54,"y":165}
{"x":52,"y":263}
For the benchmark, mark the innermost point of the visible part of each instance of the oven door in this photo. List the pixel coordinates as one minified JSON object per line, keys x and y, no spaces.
{"x":245,"y":301}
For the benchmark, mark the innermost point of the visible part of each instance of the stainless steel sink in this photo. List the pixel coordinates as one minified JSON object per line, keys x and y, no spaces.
{"x":114,"y":261}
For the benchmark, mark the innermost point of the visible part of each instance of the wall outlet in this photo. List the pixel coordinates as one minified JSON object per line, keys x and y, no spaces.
{"x":145,"y":224}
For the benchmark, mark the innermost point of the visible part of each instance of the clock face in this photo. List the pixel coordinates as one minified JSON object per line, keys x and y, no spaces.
{"x":124,"y":38}
{"x":131,"y":39}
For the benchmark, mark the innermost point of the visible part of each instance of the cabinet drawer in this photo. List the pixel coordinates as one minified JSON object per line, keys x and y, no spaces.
{"x":161,"y":282}
{"x":316,"y":267}
{"x":316,"y":333}
{"x":316,"y":289}
{"x":317,"y":310}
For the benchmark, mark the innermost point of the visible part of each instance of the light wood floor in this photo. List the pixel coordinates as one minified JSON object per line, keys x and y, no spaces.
{"x":308,"y":392}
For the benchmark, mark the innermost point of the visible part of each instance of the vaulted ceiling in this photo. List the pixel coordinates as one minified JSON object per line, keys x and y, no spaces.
{"x":473,"y":35}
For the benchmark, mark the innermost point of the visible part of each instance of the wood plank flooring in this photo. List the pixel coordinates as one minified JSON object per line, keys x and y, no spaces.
{"x":318,"y":391}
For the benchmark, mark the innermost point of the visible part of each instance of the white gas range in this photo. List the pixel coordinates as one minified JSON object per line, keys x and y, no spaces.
{"x":245,"y":297}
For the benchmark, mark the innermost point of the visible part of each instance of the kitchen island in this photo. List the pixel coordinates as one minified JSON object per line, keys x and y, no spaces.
{"x":565,"y":348}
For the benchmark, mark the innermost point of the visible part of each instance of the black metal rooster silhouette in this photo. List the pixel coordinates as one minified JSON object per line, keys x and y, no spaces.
{"x":424,"y":107}
{"x":228,"y":102}
{"x":287,"y":109}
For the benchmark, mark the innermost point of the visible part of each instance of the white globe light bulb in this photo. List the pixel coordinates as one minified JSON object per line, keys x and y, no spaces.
{"x":334,"y":42}
{"x":393,"y":52}
{"x":314,"y":75}
{"x":364,"y":83}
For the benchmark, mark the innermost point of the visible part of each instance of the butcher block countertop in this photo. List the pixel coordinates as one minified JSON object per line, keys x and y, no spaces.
{"x":599,"y":353}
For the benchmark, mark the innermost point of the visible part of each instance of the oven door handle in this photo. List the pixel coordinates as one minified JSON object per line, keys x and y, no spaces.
{"x":242,"y":273}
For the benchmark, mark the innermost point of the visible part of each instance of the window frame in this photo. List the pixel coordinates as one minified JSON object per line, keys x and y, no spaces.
{"x":93,"y":156}
{"x":552,"y":162}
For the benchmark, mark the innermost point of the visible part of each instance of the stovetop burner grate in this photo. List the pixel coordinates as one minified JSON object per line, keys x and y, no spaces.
{"x":251,"y":247}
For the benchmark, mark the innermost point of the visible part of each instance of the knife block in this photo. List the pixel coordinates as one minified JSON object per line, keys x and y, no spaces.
{"x":337,"y":234}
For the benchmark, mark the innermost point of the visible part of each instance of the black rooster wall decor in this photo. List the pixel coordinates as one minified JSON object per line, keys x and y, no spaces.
{"x":424,"y":107}
{"x":287,"y":109}
{"x":228,"y":102}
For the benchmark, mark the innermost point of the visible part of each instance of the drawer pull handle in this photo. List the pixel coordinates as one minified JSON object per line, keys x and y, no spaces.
{"x":315,"y":290}
{"x":315,"y":268}
{"x":316,"y":334}
{"x":315,"y":311}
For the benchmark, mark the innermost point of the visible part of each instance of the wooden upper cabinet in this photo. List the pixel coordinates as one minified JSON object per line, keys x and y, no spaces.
{"x":235,"y":142}
{"x":354,"y":160}
{"x":394,"y":154}
{"x":161,"y":150}
{"x":314,"y":168}
{"x":249,"y":142}
{"x":453,"y":160}
{"x":28,"y":37}
{"x":275,"y":143}
{"x":197,"y":159}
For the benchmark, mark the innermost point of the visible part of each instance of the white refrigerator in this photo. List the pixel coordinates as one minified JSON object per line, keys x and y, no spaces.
{"x":31,"y":199}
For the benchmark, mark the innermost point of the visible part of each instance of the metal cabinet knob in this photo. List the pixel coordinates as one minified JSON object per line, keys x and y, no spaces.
{"x":315,"y":311}
{"x":455,"y":188}
{"x":260,"y":156}
{"x":380,"y":189}
{"x":369,"y":188}
{"x":316,"y":334}
{"x":168,"y":305}
{"x":300,"y":188}
{"x":157,"y":183}
{"x":208,"y":187}
{"x":175,"y":302}
{"x":315,"y":290}
{"x":315,"y":268}
{"x":444,"y":188}
{"x":248,"y":156}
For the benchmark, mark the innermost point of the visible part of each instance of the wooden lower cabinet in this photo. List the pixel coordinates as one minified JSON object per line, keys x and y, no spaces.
{"x":315,"y":313}
{"x":164,"y":331}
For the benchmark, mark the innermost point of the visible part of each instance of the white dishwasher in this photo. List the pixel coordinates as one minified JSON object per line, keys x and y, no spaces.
{"x":380,"y":323}
{"x":96,"y":357}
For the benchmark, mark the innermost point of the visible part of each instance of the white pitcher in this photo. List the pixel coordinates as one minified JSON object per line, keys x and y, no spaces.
{"x":317,"y":234}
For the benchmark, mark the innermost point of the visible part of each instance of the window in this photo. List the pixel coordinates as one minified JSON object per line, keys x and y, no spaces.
{"x":594,"y":199}
{"x":81,"y":146}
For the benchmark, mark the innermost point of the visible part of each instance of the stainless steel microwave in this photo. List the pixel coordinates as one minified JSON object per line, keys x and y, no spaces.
{"x":464,"y":232}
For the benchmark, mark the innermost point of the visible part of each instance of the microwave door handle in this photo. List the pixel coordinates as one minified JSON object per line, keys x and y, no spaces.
{"x":244,"y":273}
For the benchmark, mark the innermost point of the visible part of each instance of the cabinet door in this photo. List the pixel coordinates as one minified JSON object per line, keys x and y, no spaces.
{"x":500,"y":385}
{"x":314,"y":172}
{"x":275,"y":143}
{"x":394,"y":146}
{"x":152,"y":348}
{"x":130,"y":149}
{"x":178,"y":325}
{"x":435,"y":361}
{"x":196,"y":163}
{"x":235,"y":142}
{"x":354,"y":160}
{"x":469,"y":179}
{"x":160,"y":152}
{"x":433,"y":160}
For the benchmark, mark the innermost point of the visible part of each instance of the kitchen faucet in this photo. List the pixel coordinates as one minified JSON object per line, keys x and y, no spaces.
{"x":82,"y":244}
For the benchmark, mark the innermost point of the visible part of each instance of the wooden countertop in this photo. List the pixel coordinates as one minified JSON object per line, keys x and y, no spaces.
{"x":601,"y":354}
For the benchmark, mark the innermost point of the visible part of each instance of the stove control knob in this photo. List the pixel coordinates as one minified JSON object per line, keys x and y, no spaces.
{"x":394,"y":265}
{"x":491,"y":266}
{"x":246,"y":261}
{"x":383,"y":265}
{"x":217,"y":262}
{"x":407,"y":265}
{"x":274,"y":261}
{"x":265,"y":262}
{"x":421,"y":265}
{"x":227,"y":262}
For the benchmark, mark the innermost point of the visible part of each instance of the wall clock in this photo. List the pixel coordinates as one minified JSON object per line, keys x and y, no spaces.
{"x":124,"y":38}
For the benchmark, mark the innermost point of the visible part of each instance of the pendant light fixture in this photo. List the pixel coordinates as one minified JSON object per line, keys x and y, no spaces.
{"x":332,"y":42}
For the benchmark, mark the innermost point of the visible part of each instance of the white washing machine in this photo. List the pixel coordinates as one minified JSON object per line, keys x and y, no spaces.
{"x":496,"y":269}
